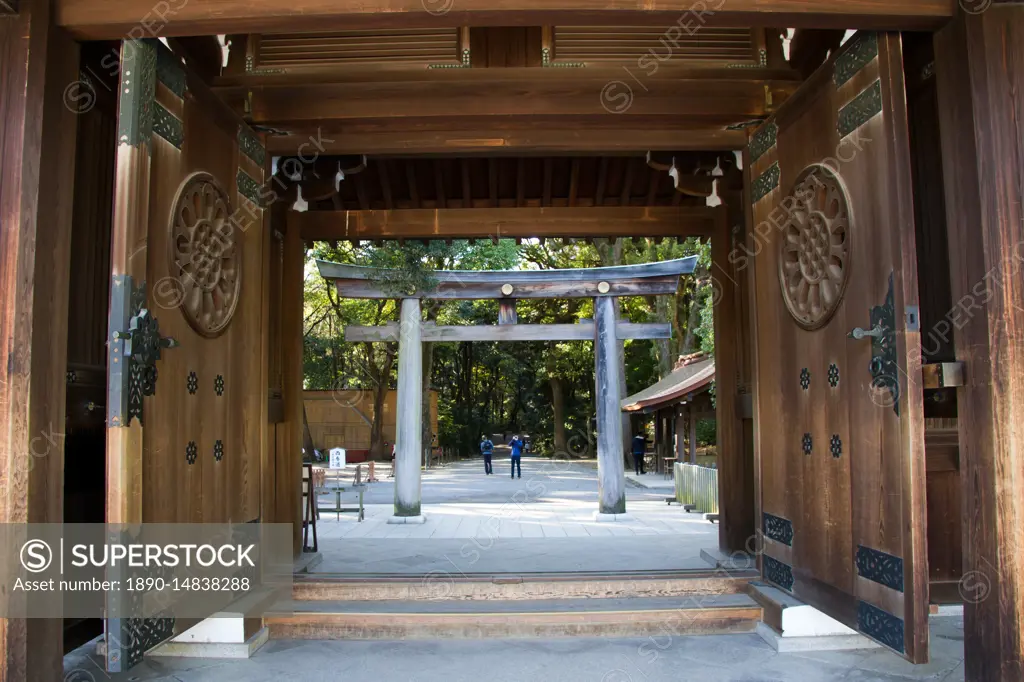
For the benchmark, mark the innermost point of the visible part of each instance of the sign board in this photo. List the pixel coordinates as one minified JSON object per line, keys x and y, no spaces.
{"x":337,"y":458}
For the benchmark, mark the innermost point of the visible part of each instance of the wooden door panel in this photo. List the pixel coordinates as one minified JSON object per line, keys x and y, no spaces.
{"x":842,"y":455}
{"x":189,"y":225}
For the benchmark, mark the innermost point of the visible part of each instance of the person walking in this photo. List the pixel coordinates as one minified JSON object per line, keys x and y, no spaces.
{"x":517,"y":455}
{"x":639,"y":449}
{"x":487,"y":449}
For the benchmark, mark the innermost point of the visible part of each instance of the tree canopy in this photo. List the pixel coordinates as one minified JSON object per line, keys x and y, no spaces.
{"x":544,"y":389}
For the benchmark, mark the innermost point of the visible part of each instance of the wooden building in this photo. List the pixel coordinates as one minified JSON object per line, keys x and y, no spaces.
{"x":344,"y":419}
{"x":862,"y":199}
{"x":677,"y":402}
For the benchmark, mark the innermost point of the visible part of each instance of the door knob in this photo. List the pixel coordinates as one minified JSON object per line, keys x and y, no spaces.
{"x":875,"y":332}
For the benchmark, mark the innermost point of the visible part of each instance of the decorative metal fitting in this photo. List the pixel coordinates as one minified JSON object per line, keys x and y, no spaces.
{"x":218,"y":450}
{"x":192,"y":383}
{"x":808,"y":443}
{"x":191,"y":452}
{"x":833,"y":375}
{"x":603,"y":287}
{"x":507,"y":289}
{"x":218,"y":385}
{"x":805,"y":378}
{"x":836,"y":447}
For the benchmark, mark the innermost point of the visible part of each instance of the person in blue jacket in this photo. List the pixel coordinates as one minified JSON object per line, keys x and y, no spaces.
{"x":487,"y":449}
{"x":639,"y":448}
{"x":517,"y":455}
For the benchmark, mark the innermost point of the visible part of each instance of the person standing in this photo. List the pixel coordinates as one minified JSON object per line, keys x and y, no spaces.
{"x":487,"y":449}
{"x":517,"y":455}
{"x":639,"y":449}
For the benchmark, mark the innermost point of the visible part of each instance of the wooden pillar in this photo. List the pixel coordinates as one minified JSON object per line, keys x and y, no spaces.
{"x":288,"y":456}
{"x":37,"y":135}
{"x":680,"y":434}
{"x":735,"y":467}
{"x":691,"y":418}
{"x":409,"y":408}
{"x":611,"y":472}
{"x":979,"y":64}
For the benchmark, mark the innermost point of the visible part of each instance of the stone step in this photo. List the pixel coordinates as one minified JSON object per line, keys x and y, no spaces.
{"x":441,"y":585}
{"x":690,"y":615}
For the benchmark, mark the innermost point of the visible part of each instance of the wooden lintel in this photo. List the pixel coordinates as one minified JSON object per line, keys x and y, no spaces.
{"x":511,"y":332}
{"x":465,"y":290}
{"x":720,"y":97}
{"x":470,"y":136}
{"x":483,"y":223}
{"x":106,"y":20}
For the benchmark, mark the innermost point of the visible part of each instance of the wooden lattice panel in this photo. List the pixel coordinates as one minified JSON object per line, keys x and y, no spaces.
{"x":421,"y":46}
{"x":631,"y":43}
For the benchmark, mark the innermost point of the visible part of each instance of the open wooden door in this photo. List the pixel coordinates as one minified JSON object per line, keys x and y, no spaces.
{"x":185,"y":418}
{"x":839,"y":407}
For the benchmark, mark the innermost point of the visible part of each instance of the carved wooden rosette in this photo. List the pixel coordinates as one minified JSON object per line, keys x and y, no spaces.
{"x":814,"y":250}
{"x":205,"y":258}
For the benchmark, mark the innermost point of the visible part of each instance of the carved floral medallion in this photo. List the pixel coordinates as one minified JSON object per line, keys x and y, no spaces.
{"x":205,"y":254}
{"x":814,"y":249}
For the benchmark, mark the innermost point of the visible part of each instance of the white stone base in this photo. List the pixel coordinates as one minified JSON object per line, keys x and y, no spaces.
{"x":408,"y":519}
{"x":948,"y":610}
{"x":200,"y":647}
{"x":793,"y":644}
{"x":805,"y":628}
{"x":598,"y":516}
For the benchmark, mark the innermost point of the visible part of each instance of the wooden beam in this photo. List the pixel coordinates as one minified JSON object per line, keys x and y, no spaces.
{"x":472,"y":136}
{"x":978,"y":71}
{"x":710,"y":96}
{"x":114,"y":19}
{"x":462,"y":290}
{"x":646,"y":279}
{"x":583,"y":331}
{"x":481,"y":223}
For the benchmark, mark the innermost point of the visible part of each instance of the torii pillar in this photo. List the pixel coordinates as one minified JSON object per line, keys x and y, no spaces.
{"x":409,"y":411}
{"x":611,"y":474}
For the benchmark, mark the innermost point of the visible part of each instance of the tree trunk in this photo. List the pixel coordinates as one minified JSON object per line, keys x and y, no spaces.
{"x":664,"y":346}
{"x":558,"y":411}
{"x":428,"y":364}
{"x":377,"y":426}
{"x":693,"y":320}
{"x":307,"y":438}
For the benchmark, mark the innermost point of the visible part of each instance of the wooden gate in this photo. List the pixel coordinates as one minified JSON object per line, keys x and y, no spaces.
{"x":185,"y":417}
{"x":839,"y":408}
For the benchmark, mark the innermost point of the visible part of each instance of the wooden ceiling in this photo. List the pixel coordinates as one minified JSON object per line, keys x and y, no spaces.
{"x":495,"y":197}
{"x":506,"y":90}
{"x":503,"y":182}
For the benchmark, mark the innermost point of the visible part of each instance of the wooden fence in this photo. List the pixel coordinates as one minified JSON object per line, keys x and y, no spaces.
{"x":698,"y":486}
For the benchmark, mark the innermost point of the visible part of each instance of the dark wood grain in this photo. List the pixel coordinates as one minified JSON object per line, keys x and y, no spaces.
{"x":37,"y":138}
{"x":483,"y":223}
{"x":979,"y":66}
{"x":872,"y":493}
{"x":98,"y":19}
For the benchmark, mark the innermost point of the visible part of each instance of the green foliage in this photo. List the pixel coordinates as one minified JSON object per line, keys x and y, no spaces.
{"x":488,"y":387}
{"x":706,"y":433}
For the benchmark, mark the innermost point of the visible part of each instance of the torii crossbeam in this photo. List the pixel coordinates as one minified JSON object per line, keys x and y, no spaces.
{"x":602,"y":284}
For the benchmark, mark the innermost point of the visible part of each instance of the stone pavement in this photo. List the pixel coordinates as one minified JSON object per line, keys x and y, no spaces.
{"x":540,"y":523}
{"x":712,"y":658}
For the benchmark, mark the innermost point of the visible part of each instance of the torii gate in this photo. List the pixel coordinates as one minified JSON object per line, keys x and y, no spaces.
{"x":603,"y":284}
